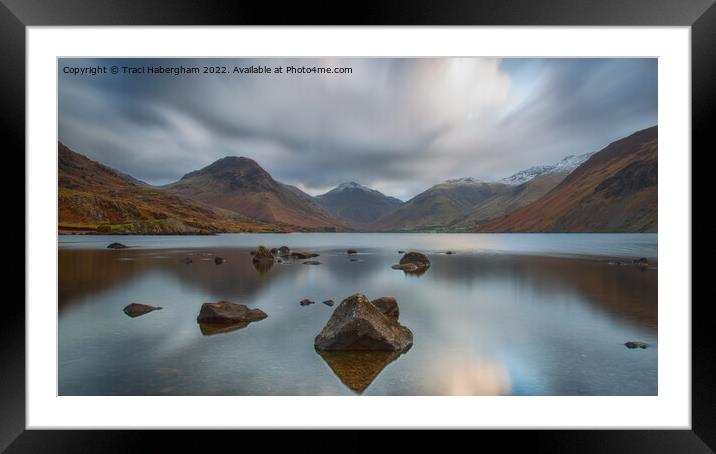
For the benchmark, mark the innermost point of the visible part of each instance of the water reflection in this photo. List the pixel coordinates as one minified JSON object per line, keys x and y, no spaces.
{"x":209,"y":329}
{"x":358,"y":369}
{"x":484,"y":323}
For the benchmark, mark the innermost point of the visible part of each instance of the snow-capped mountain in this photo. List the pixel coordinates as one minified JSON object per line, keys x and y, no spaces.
{"x":566,"y":165}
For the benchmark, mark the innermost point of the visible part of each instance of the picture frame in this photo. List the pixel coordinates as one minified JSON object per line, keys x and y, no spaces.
{"x":16,"y":15}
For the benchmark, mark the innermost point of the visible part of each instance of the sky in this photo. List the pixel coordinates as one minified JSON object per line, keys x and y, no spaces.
{"x":398,"y":125}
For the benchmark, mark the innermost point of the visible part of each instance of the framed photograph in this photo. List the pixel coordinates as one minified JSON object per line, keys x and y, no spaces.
{"x":470,"y":217}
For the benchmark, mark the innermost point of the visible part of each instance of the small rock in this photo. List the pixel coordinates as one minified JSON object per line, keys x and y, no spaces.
{"x":306,"y":302}
{"x":401,"y":252}
{"x":274,"y":251}
{"x":641,"y":263}
{"x":353,"y":260}
{"x":636,"y":344}
{"x":328,"y":302}
{"x":219,"y":260}
{"x":116,"y":246}
{"x":312,"y":262}
{"x":187,"y":260}
{"x":449,"y":252}
{"x":262,"y":254}
{"x":137,"y":309}
{"x":228,"y":312}
{"x":283,"y":251}
{"x":303,"y":255}
{"x":351,"y":251}
{"x":388,"y":306}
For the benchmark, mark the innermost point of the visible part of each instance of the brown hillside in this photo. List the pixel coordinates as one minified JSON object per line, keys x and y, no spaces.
{"x":613,"y":191}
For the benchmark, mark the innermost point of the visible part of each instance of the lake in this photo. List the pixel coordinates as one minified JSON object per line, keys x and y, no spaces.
{"x":506,"y":314}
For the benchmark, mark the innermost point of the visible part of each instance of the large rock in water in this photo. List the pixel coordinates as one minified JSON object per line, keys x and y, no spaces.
{"x":116,"y":246}
{"x":227,"y":312}
{"x":420,"y":261}
{"x":357,"y":324}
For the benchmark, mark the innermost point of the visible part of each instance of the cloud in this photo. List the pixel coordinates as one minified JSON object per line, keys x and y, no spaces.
{"x":397,"y":124}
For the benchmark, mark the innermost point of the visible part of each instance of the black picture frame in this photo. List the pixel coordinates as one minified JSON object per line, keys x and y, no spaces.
{"x":16,"y":15}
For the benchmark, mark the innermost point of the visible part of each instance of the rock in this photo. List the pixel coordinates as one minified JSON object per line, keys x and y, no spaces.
{"x":187,"y":260}
{"x":351,"y":251}
{"x":357,"y":324}
{"x":353,"y":260}
{"x":636,"y":344}
{"x":408,"y":267}
{"x":303,"y":255}
{"x":262,"y":255}
{"x":401,"y":252}
{"x":616,"y":262}
{"x":328,"y":302}
{"x":449,"y":252}
{"x":306,"y":302}
{"x":641,"y":263}
{"x":136,"y":309}
{"x":116,"y":246}
{"x":274,"y":251}
{"x":413,"y":262}
{"x":388,"y":306}
{"x":283,"y":251}
{"x":219,"y":260}
{"x":227,"y":312}
{"x":312,"y":262}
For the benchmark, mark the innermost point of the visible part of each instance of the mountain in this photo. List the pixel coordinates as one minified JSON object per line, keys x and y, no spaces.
{"x":440,"y":206}
{"x":615,"y":190}
{"x":356,"y":204}
{"x":241,"y":185}
{"x":563,"y":167}
{"x":94,"y":197}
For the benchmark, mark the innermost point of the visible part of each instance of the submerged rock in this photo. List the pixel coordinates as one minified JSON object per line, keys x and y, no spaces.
{"x":274,"y":251}
{"x":306,"y":302}
{"x":357,"y":324}
{"x":116,"y":246}
{"x":636,"y":344}
{"x":641,"y":263}
{"x":228,"y":312}
{"x":388,"y":306}
{"x":401,"y":252}
{"x":187,"y":260}
{"x":413,"y":262}
{"x":449,"y":252}
{"x":283,"y":251}
{"x":312,"y":262}
{"x":137,"y":309}
{"x":328,"y":302}
{"x":351,"y":251}
{"x":219,"y":260}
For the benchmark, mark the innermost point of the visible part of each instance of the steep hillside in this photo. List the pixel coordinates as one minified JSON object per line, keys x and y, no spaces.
{"x":242,"y":186}
{"x":441,"y":206}
{"x":615,"y":190}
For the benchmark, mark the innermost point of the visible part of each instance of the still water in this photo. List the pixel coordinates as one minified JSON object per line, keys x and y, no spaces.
{"x":507,"y":314}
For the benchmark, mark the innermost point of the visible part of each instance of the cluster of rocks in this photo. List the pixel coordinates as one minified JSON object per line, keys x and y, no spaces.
{"x":267,"y":257}
{"x":642,"y":263}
